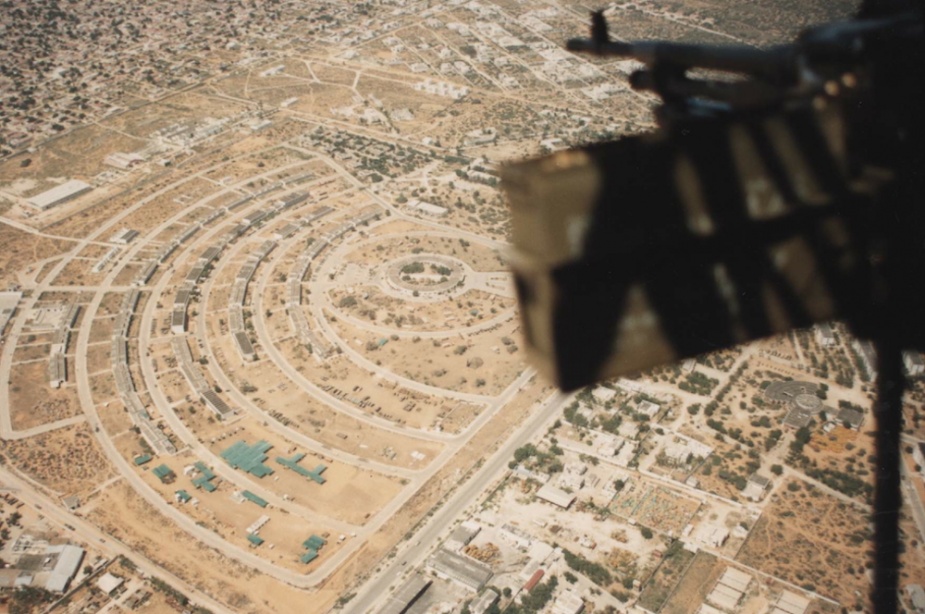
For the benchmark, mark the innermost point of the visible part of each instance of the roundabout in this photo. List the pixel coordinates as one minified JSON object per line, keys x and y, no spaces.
{"x":342,"y":343}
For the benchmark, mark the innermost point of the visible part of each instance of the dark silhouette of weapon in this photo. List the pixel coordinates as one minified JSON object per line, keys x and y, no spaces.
{"x":783,"y":187}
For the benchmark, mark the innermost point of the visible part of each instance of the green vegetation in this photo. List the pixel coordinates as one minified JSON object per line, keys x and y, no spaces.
{"x":595,"y":572}
{"x":535,"y":600}
{"x":663,"y":581}
{"x":533,"y":458}
{"x":611,"y":424}
{"x":27,"y":599}
{"x":573,"y":417}
{"x":772,"y":439}
{"x":698,"y":383}
{"x":411,"y":269}
{"x":802,"y":437}
{"x":165,"y":588}
{"x":842,"y":482}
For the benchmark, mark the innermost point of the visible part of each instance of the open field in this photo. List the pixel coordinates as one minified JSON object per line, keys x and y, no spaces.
{"x":695,"y":585}
{"x":66,"y":461}
{"x":406,"y":113}
{"x":34,"y":403}
{"x":123,"y":514}
{"x":813,"y":540}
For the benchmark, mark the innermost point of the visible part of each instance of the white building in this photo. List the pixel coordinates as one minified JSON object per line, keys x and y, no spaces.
{"x":61,"y":194}
{"x":426,"y":208}
{"x":124,"y":236}
{"x":648,"y":408}
{"x":602,"y":394}
{"x":123,"y":161}
{"x":108,"y":583}
{"x":914,"y":364}
{"x":824,"y":335}
{"x":556,"y":496}
{"x":66,"y":565}
{"x":568,"y":602}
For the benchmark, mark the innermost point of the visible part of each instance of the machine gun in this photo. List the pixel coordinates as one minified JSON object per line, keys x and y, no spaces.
{"x":783,"y":187}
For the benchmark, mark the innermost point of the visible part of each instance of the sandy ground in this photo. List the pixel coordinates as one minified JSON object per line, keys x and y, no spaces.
{"x":67,"y":460}
{"x":811,"y":538}
{"x":33,"y":402}
{"x":124,"y":514}
{"x":350,"y":493}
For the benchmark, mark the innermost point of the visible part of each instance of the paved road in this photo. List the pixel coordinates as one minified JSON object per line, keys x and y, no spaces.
{"x":88,"y":533}
{"x":375,"y":592}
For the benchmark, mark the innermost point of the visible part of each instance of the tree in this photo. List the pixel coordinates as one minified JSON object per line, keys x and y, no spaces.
{"x":777,"y":469}
{"x":646,"y":532}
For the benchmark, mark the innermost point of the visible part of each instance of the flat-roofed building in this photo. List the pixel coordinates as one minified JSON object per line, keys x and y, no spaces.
{"x":724,"y":597}
{"x":825,"y":337}
{"x":426,"y":208}
{"x":914,"y":364}
{"x":556,"y":496}
{"x":108,"y":583}
{"x":178,"y":320}
{"x":568,"y":602}
{"x":245,"y":347}
{"x":215,"y":403}
{"x":790,"y":603}
{"x":850,"y":418}
{"x":484,"y":601}
{"x":602,"y":394}
{"x":736,"y":579}
{"x":459,"y":568}
{"x":407,"y":595}
{"x":916,"y":595}
{"x":57,"y":370}
{"x":124,"y":236}
{"x":66,"y":566}
{"x":59,"y":195}
{"x":122,"y":160}
{"x":648,"y":408}
{"x":462,"y":535}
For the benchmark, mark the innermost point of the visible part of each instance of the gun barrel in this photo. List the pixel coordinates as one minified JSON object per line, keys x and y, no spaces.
{"x":731,"y":58}
{"x":775,"y":63}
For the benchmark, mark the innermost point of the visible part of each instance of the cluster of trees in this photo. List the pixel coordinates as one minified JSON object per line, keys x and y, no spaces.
{"x":698,"y":383}
{"x":846,"y":483}
{"x":573,"y":416}
{"x":535,"y":600}
{"x":412,"y":268}
{"x":531,"y":456}
{"x":595,"y":572}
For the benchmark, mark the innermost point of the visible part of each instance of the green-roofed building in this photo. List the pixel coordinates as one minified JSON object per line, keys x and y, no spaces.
{"x":164,"y":473}
{"x":308,"y":557}
{"x":144,"y":458}
{"x":292,"y":465}
{"x":254,"y":539}
{"x":204,"y":470}
{"x":314,"y":543}
{"x":254,"y":498}
{"x":204,"y":480}
{"x":183,"y":496}
{"x":204,"y":483}
{"x":249,"y":458}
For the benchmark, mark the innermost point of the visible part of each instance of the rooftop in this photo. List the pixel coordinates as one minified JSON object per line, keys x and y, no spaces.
{"x":249,"y":458}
